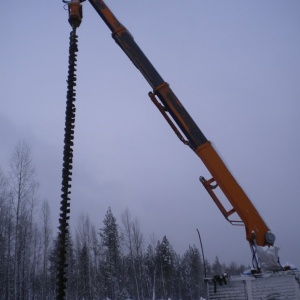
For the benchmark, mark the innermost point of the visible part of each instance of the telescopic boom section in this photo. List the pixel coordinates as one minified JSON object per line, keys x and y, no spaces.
{"x":256,"y":229}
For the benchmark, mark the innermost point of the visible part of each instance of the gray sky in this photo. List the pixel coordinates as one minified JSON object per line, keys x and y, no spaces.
{"x":234,"y":65}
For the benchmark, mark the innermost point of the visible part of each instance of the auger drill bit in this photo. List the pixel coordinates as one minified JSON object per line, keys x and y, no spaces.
{"x":75,"y":16}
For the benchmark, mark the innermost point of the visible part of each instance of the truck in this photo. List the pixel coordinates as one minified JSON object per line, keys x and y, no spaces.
{"x":268,"y":279}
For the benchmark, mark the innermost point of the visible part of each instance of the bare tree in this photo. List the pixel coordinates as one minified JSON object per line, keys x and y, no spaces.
{"x":127,"y":236}
{"x":133,"y":240}
{"x":23,"y":188}
{"x":83,"y":230}
{"x":138,"y":243}
{"x":151,"y":266}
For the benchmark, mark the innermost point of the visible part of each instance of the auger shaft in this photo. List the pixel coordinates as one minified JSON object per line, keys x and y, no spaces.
{"x":75,"y":16}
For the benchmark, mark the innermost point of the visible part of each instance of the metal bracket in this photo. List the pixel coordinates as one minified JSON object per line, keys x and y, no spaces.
{"x":163,"y":111}
{"x":209,"y":186}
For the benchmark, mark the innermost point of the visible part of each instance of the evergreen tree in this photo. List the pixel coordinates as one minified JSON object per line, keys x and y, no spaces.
{"x":111,"y":266}
{"x":6,"y":239}
{"x":208,"y":269}
{"x":84,"y":288}
{"x":192,"y":274}
{"x":235,"y":269}
{"x":150,"y":270}
{"x":72,"y":261}
{"x":53,"y":268}
{"x":217,"y":268}
{"x":165,"y":268}
{"x":72,"y":289}
{"x":177,"y":287}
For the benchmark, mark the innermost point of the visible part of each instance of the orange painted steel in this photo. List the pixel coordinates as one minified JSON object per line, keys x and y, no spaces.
{"x":173,"y":110}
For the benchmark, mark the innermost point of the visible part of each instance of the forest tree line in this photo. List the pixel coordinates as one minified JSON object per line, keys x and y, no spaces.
{"x":110,"y":262}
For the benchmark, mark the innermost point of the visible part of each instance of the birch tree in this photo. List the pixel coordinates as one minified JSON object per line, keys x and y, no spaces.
{"x":131,"y":237}
{"x":23,"y":187}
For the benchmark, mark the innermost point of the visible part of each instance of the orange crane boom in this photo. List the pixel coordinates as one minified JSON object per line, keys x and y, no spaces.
{"x":172,"y":109}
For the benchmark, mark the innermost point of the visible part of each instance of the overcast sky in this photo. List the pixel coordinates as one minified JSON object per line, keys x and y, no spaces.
{"x":234,"y":65}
